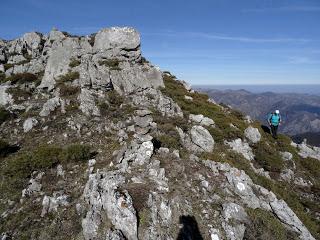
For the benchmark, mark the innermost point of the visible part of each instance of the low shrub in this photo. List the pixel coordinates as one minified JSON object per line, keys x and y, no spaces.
{"x":7,"y":66}
{"x":68,"y":90}
{"x":113,"y":64}
{"x":76,"y":153}
{"x":74,"y":63}
{"x":268,"y":157}
{"x":69,"y":77}
{"x":2,"y":77}
{"x":115,"y":98}
{"x":6,"y":149}
{"x":21,"y":78}
{"x":4,"y":115}
{"x":44,"y":157}
{"x":264,"y":225}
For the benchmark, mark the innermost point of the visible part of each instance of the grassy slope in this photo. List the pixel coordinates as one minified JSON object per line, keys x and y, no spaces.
{"x":267,"y":153}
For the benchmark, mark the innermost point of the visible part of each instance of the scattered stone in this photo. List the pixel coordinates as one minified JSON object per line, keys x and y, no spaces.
{"x":51,"y":204}
{"x":34,"y":186}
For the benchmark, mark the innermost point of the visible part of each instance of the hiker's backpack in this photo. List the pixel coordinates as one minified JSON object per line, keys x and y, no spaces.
{"x":274,"y":119}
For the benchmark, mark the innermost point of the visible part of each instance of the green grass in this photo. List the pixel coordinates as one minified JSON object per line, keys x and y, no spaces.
{"x":268,"y":157}
{"x":200,"y":105}
{"x":43,"y":158}
{"x":264,"y":225}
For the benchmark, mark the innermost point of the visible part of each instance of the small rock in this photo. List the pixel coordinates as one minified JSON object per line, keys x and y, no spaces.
{"x":29,"y":124}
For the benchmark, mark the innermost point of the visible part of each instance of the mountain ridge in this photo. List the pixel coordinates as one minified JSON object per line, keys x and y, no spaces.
{"x":97,"y":143}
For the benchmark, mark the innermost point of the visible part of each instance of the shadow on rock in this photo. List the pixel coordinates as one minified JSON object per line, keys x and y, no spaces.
{"x":189,"y":230}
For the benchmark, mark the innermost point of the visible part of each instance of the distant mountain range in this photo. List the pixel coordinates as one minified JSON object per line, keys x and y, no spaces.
{"x":300,"y":112}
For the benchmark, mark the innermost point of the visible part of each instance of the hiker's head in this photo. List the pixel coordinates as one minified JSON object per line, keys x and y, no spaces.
{"x":277,"y":112}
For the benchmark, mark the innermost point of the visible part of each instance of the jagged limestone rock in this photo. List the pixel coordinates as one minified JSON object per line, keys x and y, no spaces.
{"x":50,"y":106}
{"x":202,"y":138}
{"x":252,"y":134}
{"x":87,"y":103}
{"x":286,"y":156}
{"x":29,"y":124}
{"x":118,"y":42}
{"x":241,"y":147}
{"x":103,"y":198}
{"x":198,"y":139}
{"x":5,"y":98}
{"x":255,"y":196}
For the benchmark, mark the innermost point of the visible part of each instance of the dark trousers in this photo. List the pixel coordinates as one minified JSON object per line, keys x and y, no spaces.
{"x":274,"y":130}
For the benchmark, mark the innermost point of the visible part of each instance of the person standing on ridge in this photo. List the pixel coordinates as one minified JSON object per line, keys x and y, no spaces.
{"x":274,"y":120}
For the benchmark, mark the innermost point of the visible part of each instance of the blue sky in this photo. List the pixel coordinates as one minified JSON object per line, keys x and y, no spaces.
{"x":202,"y":42}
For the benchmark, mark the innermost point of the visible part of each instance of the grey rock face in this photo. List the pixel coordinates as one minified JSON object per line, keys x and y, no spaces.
{"x":242,"y":185}
{"x":104,"y":198}
{"x":50,"y":106}
{"x":198,"y":139}
{"x":252,"y":134}
{"x":5,"y":98}
{"x":114,"y":235}
{"x":117,"y":39}
{"x":241,"y":147}
{"x":29,"y":124}
{"x":202,"y":138}
{"x":87,"y":103}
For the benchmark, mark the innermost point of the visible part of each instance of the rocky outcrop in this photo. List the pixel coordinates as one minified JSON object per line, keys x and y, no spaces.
{"x":198,"y":139}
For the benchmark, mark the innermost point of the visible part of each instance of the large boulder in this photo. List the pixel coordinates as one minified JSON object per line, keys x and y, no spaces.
{"x":252,"y":134}
{"x":117,"y":38}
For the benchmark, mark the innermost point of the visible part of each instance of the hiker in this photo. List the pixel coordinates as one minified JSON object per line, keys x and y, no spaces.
{"x":274,"y":120}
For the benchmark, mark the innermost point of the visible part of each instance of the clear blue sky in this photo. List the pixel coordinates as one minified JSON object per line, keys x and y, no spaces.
{"x":203,"y":42}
